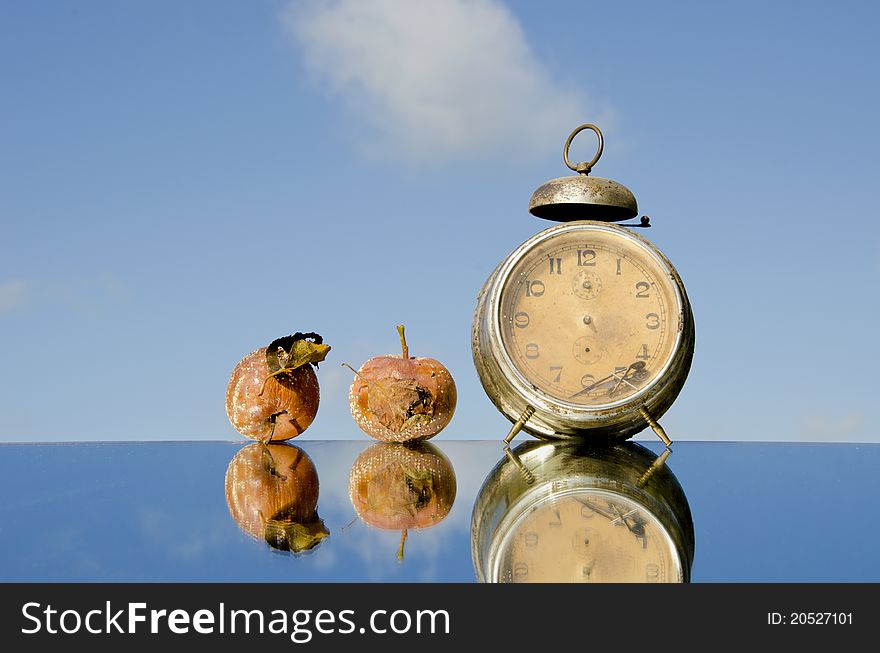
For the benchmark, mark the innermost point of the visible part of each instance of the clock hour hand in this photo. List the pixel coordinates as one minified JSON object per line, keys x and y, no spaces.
{"x":618,"y":518}
{"x":597,"y":509}
{"x":637,"y":528}
{"x":591,"y":386}
{"x":634,"y":368}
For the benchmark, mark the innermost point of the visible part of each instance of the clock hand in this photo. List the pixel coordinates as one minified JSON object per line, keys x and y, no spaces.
{"x":591,"y":386}
{"x":618,"y":518}
{"x":588,"y":571}
{"x":637,"y":528}
{"x":621,"y":517}
{"x":588,"y":320}
{"x":633,"y":368}
{"x":596,"y":509}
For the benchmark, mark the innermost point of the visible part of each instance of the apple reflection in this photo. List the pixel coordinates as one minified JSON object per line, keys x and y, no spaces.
{"x":402,"y":487}
{"x":565,"y":512}
{"x":272,"y":494}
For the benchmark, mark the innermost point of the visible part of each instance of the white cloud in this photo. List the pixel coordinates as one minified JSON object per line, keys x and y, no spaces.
{"x":436,"y":80}
{"x":13,"y":295}
{"x":83,"y":293}
{"x":827,"y":428}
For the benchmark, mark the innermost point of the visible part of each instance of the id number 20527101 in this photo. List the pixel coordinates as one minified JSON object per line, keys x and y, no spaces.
{"x":810,"y":618}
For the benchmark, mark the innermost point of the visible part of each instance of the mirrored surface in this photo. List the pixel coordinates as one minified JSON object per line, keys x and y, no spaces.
{"x":576,"y":512}
{"x":329,"y":511}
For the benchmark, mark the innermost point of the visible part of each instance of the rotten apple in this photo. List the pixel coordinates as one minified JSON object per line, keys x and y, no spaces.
{"x":402,"y":398}
{"x":401,"y":487}
{"x":272,"y":494}
{"x":273,"y":392}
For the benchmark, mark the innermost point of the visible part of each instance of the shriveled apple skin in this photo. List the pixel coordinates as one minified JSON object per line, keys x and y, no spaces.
{"x":271,"y":482}
{"x":272,"y":494}
{"x":402,"y":486}
{"x":396,"y":399}
{"x":291,"y":399}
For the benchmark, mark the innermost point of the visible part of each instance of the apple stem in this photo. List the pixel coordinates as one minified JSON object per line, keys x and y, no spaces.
{"x":371,"y":384}
{"x":348,"y":525}
{"x":358,"y":375}
{"x":402,"y":541}
{"x":403,"y":342}
{"x":272,"y":375}
{"x":273,"y":420}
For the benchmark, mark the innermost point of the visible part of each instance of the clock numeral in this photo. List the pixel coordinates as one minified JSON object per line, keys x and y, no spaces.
{"x":558,"y":520}
{"x":586,"y":257}
{"x":531,"y":539}
{"x":587,"y":380}
{"x":642,"y":288}
{"x":643,"y":353}
{"x":618,"y":267}
{"x":558,"y":370}
{"x":532,"y":351}
{"x":555,"y":265}
{"x":521,"y":320}
{"x":534,"y":288}
{"x":653,"y":321}
{"x":652,"y":572}
{"x":520,"y":571}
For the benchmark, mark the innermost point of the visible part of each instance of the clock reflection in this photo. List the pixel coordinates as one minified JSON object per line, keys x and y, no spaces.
{"x":272,"y":494}
{"x":402,"y":487}
{"x":564,"y":512}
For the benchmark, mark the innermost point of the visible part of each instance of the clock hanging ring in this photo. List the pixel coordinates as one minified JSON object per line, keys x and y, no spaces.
{"x":585,"y":330}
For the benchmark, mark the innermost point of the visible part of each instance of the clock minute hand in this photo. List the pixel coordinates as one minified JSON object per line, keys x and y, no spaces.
{"x":596,"y":509}
{"x":591,"y":386}
{"x":634,"y":367}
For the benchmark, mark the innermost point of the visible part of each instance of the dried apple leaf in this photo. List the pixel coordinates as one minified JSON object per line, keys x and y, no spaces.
{"x":286,"y":354}
{"x":415,"y":422}
{"x":290,"y":352}
{"x":294,"y":536}
{"x":400,"y":404}
{"x":400,"y":490}
{"x":420,"y":484}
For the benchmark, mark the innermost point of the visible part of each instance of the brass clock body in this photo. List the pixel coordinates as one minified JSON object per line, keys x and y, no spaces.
{"x":584,"y":330}
{"x":588,"y":324}
{"x":564,"y":512}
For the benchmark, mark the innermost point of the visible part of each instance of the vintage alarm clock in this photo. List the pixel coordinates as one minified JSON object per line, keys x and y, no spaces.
{"x":584,"y":330}
{"x":579,"y":511}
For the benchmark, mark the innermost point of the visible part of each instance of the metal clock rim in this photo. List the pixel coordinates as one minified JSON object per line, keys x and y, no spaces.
{"x":619,"y":469}
{"x":545,"y":492}
{"x":523,"y":386}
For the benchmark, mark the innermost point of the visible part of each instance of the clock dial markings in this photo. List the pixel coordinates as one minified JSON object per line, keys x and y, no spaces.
{"x":629,"y":299}
{"x":584,"y":277}
{"x":558,"y":542}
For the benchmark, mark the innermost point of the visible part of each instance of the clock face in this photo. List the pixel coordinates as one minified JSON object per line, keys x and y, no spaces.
{"x":590,"y":316}
{"x":587,"y":536}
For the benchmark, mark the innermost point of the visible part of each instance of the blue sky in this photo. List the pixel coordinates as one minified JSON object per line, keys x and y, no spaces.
{"x":184,"y":182}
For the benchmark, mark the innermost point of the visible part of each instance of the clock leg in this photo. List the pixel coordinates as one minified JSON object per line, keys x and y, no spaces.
{"x":656,"y":426}
{"x":512,"y":457}
{"x":517,"y":426}
{"x":659,"y":462}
